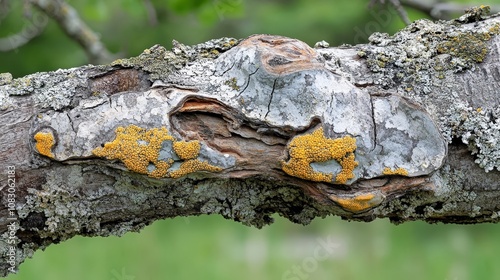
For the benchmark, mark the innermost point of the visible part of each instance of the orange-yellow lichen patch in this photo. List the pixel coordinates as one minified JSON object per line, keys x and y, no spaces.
{"x":137,"y":148}
{"x":358,"y":203}
{"x":187,"y":150}
{"x":397,"y":171}
{"x":44,"y":143}
{"x":193,"y":165}
{"x":315,"y":147}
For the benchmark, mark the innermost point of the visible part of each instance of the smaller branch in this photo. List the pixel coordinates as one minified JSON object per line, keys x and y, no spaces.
{"x":36,"y":25}
{"x":420,"y":6}
{"x":401,"y":11}
{"x":4,"y":8}
{"x":68,"y":19}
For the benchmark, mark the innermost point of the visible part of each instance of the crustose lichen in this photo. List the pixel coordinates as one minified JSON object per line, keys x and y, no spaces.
{"x":139,"y":149}
{"x":44,"y":143}
{"x":315,"y":147}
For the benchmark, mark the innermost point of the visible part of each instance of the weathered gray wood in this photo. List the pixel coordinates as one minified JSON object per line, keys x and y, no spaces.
{"x":405,"y":127}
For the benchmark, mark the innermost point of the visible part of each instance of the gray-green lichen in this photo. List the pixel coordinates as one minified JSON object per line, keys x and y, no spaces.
{"x":50,"y":90}
{"x":452,"y":196}
{"x":160,"y":63}
{"x":60,"y":205}
{"x":427,"y":62}
{"x":408,"y":59}
{"x":5,"y":78}
{"x":475,"y":14}
{"x":232,"y":83}
{"x":57,"y":89}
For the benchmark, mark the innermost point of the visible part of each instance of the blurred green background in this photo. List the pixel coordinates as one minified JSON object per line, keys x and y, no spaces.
{"x":209,"y":247}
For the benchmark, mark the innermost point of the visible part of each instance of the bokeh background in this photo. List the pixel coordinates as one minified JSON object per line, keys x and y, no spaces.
{"x":209,"y":247}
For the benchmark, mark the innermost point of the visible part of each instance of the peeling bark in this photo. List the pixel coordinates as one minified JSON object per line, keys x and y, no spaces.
{"x":405,"y":128}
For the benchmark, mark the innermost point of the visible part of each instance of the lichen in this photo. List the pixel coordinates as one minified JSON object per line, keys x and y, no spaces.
{"x":359,"y":202}
{"x":44,"y":143}
{"x":187,"y":150}
{"x":466,"y":46}
{"x":232,"y":83}
{"x":475,"y":14}
{"x":315,"y":147}
{"x":397,"y":171}
{"x":193,"y":165}
{"x":160,"y":63}
{"x":139,"y":149}
{"x":495,"y":29}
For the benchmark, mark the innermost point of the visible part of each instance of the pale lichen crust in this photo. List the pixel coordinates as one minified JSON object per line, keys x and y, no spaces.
{"x":422,"y":61}
{"x":154,"y":152}
{"x":44,"y":143}
{"x":315,"y":147}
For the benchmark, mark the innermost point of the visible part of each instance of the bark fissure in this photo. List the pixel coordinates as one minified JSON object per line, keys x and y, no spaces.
{"x":374,"y":124}
{"x":248,"y":82}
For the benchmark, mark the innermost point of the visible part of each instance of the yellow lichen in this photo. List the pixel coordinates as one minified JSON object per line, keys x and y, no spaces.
{"x":397,"y":171}
{"x":193,"y":165}
{"x":44,"y":143}
{"x":358,"y":203}
{"x":139,"y":149}
{"x":315,"y":147}
{"x":187,"y":150}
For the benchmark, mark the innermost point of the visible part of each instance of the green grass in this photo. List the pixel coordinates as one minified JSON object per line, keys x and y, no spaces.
{"x":210,"y":247}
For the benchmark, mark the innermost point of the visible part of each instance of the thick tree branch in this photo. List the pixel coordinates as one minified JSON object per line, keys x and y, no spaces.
{"x":68,"y":19}
{"x":405,"y":128}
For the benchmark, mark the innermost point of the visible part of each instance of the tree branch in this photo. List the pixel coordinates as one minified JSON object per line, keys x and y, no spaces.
{"x":36,"y":25}
{"x":405,"y":127}
{"x":441,"y":10}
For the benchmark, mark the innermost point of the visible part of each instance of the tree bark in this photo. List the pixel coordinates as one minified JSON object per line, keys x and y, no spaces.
{"x":406,"y":127}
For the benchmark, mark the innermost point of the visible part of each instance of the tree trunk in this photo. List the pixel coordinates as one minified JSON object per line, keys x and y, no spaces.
{"x":405,"y":127}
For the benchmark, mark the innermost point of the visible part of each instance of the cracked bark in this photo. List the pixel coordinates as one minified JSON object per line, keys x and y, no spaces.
{"x":255,"y":127}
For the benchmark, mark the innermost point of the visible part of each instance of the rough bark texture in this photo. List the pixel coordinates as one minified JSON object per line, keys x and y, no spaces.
{"x":406,"y":127}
